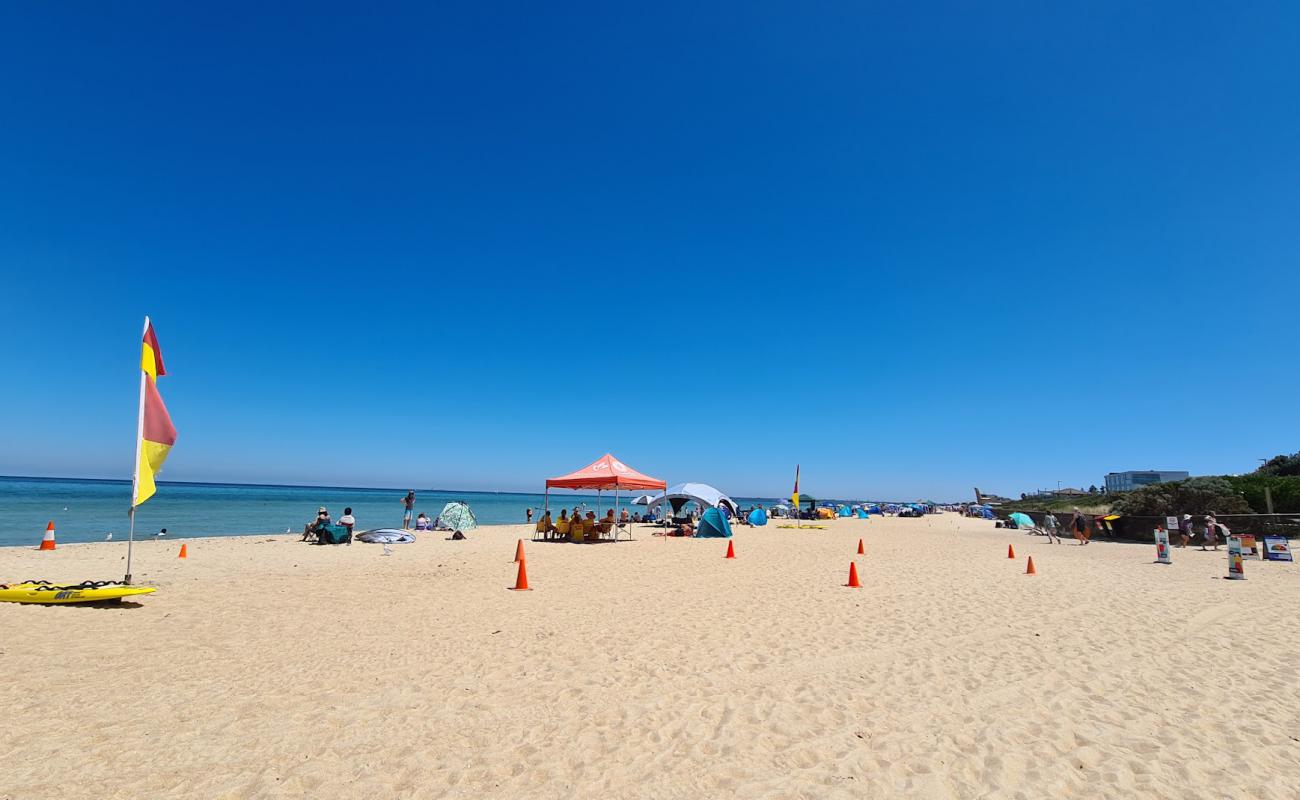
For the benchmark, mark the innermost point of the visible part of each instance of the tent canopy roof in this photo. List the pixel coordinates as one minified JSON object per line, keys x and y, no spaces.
{"x":701,"y":493}
{"x":605,"y":472}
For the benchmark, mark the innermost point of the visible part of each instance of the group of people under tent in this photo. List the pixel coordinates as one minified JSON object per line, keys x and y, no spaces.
{"x":579,"y":528}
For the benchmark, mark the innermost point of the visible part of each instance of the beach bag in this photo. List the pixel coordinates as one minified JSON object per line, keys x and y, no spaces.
{"x":334,"y":534}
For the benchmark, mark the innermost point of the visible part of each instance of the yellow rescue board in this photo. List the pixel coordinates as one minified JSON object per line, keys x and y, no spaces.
{"x":36,"y":593}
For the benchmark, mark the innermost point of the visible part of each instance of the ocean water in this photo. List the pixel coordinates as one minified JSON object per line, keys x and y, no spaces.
{"x":87,"y":510}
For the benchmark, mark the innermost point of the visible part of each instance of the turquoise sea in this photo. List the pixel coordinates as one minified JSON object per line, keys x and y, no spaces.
{"x":85,"y":510}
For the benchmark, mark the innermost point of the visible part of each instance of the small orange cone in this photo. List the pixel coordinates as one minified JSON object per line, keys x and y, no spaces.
{"x":521,"y":581}
{"x":182,"y":553}
{"x":48,"y":542}
{"x":1031,"y":570}
{"x":853,"y":583}
{"x":519,"y":552}
{"x":862,"y":551}
{"x":1011,"y":551}
{"x":731,"y":550}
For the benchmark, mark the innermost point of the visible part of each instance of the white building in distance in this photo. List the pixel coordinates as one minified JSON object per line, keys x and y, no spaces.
{"x":1117,"y":482}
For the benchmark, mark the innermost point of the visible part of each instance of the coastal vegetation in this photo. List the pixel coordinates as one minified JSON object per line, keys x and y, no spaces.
{"x":1222,"y":494}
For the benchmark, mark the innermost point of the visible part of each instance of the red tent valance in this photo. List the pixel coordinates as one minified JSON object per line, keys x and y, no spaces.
{"x":605,"y":472}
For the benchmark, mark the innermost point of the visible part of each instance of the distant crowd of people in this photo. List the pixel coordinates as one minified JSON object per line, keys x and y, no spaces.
{"x":1081,"y":527}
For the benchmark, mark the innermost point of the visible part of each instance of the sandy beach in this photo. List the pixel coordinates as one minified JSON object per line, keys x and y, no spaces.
{"x":267,"y":668}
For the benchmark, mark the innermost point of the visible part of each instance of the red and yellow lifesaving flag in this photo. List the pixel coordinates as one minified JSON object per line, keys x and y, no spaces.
{"x":795,"y":494}
{"x":156,"y":434}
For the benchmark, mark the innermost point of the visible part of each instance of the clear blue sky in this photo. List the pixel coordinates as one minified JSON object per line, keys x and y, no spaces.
{"x":914,"y":247}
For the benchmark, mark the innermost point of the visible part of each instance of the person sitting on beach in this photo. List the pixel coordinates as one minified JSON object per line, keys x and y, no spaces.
{"x":686,"y":529}
{"x":347,"y":520}
{"x":422,"y":522}
{"x":544,"y":525}
{"x":322,"y":521}
{"x":562,"y":525}
{"x":624,"y":516}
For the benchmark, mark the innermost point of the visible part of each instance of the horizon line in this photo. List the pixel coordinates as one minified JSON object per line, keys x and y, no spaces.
{"x":352,"y":488}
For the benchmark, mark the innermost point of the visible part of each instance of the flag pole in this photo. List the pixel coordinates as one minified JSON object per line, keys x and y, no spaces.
{"x":135,"y":472}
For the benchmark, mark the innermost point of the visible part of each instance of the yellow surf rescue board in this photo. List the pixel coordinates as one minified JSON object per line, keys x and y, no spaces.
{"x":45,"y":593}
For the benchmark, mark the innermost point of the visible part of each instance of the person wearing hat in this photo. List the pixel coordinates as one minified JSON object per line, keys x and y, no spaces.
{"x":322,"y":521}
{"x":1211,"y":531}
{"x":1079,"y":526}
{"x":1185,"y":530}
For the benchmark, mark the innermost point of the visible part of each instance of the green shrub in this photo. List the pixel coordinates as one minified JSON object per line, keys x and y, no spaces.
{"x":1281,"y":466}
{"x":1285,"y":489}
{"x":1192,"y":496}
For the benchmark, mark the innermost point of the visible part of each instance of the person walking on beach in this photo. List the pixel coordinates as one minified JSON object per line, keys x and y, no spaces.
{"x":1184,"y":530}
{"x":1211,"y":531}
{"x":409,"y":502}
{"x":1079,"y":526}
{"x":1050,"y":528}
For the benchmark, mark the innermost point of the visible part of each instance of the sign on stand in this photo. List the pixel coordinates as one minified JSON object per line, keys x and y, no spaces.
{"x":1277,"y":548}
{"x":1248,"y":544}
{"x":1171,"y":524}
{"x":1162,"y":546}
{"x":1236,"y":572}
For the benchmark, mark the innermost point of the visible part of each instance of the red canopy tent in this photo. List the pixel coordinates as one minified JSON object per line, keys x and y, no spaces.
{"x":604,"y":474}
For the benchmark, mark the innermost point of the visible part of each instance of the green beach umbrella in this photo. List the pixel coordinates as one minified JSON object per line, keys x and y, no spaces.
{"x":457,"y":516}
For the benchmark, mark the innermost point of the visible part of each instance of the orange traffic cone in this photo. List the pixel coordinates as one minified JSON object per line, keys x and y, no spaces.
{"x":862,"y":551}
{"x":731,"y":550}
{"x":1030,"y":570}
{"x":853,"y":583}
{"x":1011,"y":551}
{"x":48,"y":542}
{"x":182,"y":553}
{"x":521,"y":581}
{"x":519,"y":552}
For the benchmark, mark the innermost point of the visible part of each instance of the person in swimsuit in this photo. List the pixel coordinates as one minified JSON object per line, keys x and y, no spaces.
{"x":409,"y":502}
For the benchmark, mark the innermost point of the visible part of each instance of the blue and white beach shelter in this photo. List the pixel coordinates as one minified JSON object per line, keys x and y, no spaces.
{"x":758,"y":517}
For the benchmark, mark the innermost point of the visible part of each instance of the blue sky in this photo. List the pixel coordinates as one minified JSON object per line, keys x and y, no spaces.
{"x":913,"y":247}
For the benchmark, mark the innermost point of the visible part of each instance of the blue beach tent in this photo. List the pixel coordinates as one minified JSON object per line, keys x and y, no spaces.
{"x":862,"y":513}
{"x":713,"y":526}
{"x":758,"y":517}
{"x":845,"y":511}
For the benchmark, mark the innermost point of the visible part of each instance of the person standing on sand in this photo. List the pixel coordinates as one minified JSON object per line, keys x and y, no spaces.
{"x":528,"y":514}
{"x":1211,"y":531}
{"x":1079,"y":526}
{"x":409,"y":502}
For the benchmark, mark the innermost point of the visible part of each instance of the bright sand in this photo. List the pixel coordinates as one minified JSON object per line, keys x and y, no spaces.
{"x":268,"y":668}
